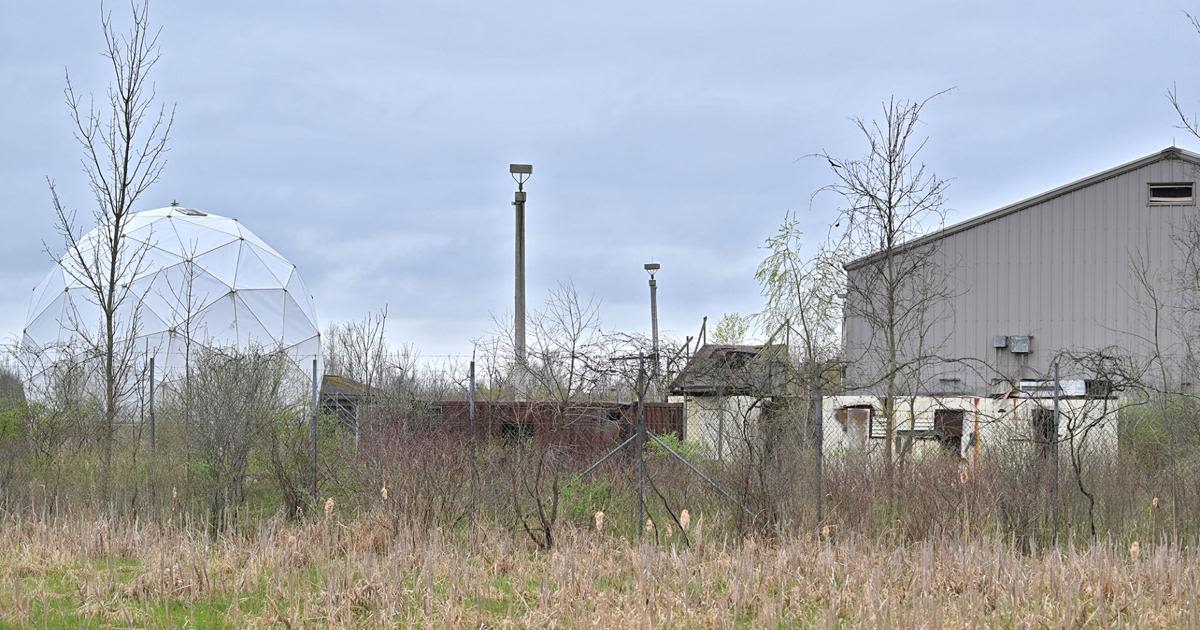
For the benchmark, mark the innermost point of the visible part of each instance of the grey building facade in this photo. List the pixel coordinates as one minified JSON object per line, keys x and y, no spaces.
{"x":1095,"y":264}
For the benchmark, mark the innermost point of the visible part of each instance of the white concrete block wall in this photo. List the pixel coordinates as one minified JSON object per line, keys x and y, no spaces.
{"x":993,"y":423}
{"x":721,"y":423}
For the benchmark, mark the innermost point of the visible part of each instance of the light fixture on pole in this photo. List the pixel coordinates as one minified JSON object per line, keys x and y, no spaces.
{"x":520,"y":174}
{"x":652,"y":268}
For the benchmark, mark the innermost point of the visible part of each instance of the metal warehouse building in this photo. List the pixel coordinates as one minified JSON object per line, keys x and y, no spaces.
{"x":1029,"y":282}
{"x":1052,"y":273}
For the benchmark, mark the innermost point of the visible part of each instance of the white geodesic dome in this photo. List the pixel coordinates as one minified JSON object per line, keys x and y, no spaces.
{"x":201,"y":281}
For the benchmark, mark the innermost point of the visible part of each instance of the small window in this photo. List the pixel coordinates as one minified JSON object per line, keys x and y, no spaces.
{"x":516,"y":431}
{"x":1043,"y":429}
{"x":1097,"y":388}
{"x":191,"y":212}
{"x":1171,"y":194}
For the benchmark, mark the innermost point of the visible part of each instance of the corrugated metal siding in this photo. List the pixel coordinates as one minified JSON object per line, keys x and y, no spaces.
{"x":1058,"y":270}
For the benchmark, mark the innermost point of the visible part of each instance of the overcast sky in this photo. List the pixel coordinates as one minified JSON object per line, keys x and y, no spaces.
{"x":369,"y":141}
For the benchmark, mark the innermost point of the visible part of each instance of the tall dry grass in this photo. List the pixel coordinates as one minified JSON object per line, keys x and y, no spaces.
{"x":416,"y":528}
{"x":72,"y":569}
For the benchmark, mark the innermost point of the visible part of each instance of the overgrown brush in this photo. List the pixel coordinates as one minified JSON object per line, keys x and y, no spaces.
{"x":72,"y":569}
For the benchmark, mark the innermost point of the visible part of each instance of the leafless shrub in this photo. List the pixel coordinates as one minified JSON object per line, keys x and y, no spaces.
{"x":239,"y":398}
{"x":426,"y":477}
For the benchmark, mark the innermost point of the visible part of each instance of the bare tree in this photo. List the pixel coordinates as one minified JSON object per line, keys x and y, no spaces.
{"x":804,"y":301}
{"x":358,"y":350}
{"x":124,"y":143}
{"x":889,"y":198}
{"x":568,"y":350}
{"x":566,"y":366}
{"x":1186,"y":121}
{"x":1088,"y":426}
{"x":241,"y":397}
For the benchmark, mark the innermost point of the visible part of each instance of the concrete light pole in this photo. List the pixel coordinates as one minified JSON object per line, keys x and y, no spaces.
{"x":520,"y":174}
{"x":652,"y":268}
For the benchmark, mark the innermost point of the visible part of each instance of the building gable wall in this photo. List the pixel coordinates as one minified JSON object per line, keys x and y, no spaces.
{"x":1059,"y":270}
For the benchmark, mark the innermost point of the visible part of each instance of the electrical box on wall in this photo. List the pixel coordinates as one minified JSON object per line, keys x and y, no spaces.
{"x":1000,"y":341}
{"x":1020,"y":344}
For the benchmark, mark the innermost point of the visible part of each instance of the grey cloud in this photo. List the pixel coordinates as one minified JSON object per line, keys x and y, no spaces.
{"x":368,"y":141}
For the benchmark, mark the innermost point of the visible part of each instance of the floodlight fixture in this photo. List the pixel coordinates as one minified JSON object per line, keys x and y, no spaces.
{"x":520,"y":173}
{"x":651,"y":268}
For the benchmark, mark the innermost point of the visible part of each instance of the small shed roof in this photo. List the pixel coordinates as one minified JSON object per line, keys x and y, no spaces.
{"x":333,"y":385}
{"x":733,"y":370}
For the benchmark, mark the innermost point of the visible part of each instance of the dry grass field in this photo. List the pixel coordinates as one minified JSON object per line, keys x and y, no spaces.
{"x":426,"y":530}
{"x":367,"y":571}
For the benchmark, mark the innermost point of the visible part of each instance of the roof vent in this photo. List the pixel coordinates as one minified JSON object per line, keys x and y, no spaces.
{"x":1171,"y":194}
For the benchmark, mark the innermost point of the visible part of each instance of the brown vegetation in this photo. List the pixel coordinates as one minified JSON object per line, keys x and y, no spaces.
{"x":72,"y":568}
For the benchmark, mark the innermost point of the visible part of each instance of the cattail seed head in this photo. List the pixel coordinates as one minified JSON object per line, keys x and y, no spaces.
{"x":685,"y":519}
{"x":599,"y":522}
{"x":383,"y":493}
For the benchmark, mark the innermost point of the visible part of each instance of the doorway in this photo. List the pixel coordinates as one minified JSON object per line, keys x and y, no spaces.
{"x":948,"y":429}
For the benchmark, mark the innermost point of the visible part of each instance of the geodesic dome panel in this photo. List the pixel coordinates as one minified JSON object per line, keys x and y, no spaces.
{"x":196,"y":280}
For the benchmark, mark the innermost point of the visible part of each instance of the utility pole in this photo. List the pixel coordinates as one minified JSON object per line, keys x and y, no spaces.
{"x":520,"y":174}
{"x":819,"y":443}
{"x":473,"y":441}
{"x":471,"y":400}
{"x":641,"y":446}
{"x":652,"y":268}
{"x":643,"y":387}
{"x":153,"y":437}
{"x":1054,"y":444}
{"x":312,"y":433}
